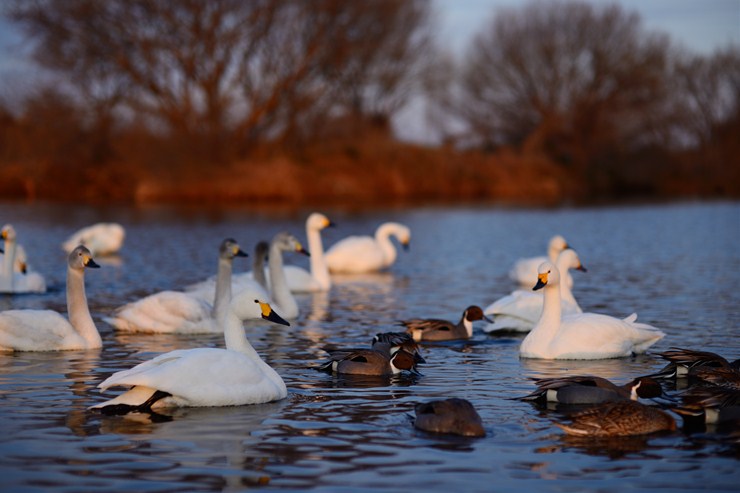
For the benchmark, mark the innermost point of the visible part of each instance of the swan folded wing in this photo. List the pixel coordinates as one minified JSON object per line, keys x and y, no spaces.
{"x":37,"y":330}
{"x":201,"y":377}
{"x":525,"y":269}
{"x":300,"y":280}
{"x":355,"y":253}
{"x":166,"y":311}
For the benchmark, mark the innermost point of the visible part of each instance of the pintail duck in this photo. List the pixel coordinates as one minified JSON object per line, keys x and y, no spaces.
{"x":702,"y":365}
{"x":710,"y":405}
{"x":591,"y":390}
{"x":432,"y":329}
{"x":619,"y":419}
{"x":391,"y":342}
{"x":369,"y":362}
{"x":452,"y":416}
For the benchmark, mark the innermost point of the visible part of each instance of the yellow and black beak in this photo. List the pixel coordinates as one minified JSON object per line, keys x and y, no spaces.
{"x":329,"y":224}
{"x":541,"y":281}
{"x":89,"y":262}
{"x":581,"y":268}
{"x":299,"y":248}
{"x":238,"y":252}
{"x":269,"y":314}
{"x":405,"y":245}
{"x":23,"y":267}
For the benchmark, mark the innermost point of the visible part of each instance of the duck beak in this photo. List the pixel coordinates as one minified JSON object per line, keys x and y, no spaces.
{"x":269,"y":314}
{"x":418,"y":358}
{"x":415,"y":372}
{"x":489,"y":320}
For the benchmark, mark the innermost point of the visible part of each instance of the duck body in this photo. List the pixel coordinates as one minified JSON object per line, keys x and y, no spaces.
{"x":202,"y":376}
{"x":587,"y":389}
{"x":363,"y":254}
{"x":47,"y":330}
{"x":432,"y":329}
{"x":583,"y":335}
{"x":520,"y":310}
{"x":368,"y":362}
{"x":450,"y":416}
{"x":619,"y":419}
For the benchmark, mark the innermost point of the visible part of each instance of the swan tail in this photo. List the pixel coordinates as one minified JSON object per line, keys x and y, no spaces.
{"x":631,"y":319}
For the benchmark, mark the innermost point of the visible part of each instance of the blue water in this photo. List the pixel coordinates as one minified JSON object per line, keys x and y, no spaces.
{"x":676,"y":265}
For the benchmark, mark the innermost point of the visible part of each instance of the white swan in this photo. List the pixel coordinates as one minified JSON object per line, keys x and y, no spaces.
{"x":14,"y":275}
{"x":299,"y":279}
{"x":47,"y":330}
{"x":203,"y":376}
{"x":524,"y":270}
{"x":582,"y":335}
{"x":520,"y":310}
{"x":100,"y":239}
{"x":362,"y":254}
{"x":280,"y":295}
{"x":175,"y":311}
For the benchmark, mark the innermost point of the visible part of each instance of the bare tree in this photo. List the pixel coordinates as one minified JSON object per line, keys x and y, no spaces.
{"x":578,"y":81}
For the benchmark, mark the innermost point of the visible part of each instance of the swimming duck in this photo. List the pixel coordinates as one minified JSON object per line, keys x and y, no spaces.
{"x":47,"y":330}
{"x":710,"y":405}
{"x":520,"y":310}
{"x":202,"y":377}
{"x":619,"y":419}
{"x":101,"y":239}
{"x":362,"y":254}
{"x":451,"y":416}
{"x":432,"y":329}
{"x":369,"y":362}
{"x":179,"y":312}
{"x":589,"y":389}
{"x":700,"y":364}
{"x":581,"y":335}
{"x":391,"y":342}
{"x":524,"y":270}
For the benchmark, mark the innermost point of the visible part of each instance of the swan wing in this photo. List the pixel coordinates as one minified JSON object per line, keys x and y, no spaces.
{"x":37,"y":330}
{"x":355,"y":254}
{"x":166,"y":311}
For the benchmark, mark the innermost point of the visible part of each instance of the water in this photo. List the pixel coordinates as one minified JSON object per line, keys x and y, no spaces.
{"x":675,"y":265}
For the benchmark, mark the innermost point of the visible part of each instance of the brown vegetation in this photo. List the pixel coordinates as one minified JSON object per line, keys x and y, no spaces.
{"x":291,"y":101}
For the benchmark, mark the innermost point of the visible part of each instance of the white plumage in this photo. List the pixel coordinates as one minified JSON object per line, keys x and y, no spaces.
{"x":524,"y":270}
{"x":101,"y":239}
{"x":363,"y":254}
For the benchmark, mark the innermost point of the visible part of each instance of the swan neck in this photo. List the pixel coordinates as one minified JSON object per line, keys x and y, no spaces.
{"x":223,"y":288}
{"x":549,"y":322}
{"x":78,"y":310}
{"x":382,"y":236}
{"x":319,"y":269}
{"x":258,"y":271}
{"x":6,"y":276}
{"x":566,"y":295}
{"x":280,"y":293}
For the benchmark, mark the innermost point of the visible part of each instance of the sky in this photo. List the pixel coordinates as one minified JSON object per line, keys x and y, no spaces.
{"x":700,"y":26}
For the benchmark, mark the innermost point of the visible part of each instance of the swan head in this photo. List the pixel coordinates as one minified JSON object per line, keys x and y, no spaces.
{"x":317,"y":221}
{"x":547,"y":275}
{"x":287,"y":242}
{"x":229,"y":249}
{"x":557,"y":244}
{"x":267,"y":313}
{"x":400,"y":231}
{"x":568,"y":259}
{"x":7,"y":233}
{"x":81,"y":258}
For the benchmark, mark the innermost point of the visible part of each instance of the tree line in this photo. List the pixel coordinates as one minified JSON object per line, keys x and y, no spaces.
{"x":149,"y":90}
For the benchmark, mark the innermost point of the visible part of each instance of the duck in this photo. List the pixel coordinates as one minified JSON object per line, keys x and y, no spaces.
{"x":318,"y":279}
{"x":520,"y":310}
{"x":101,"y":239}
{"x":391,"y":342}
{"x":452,"y":416}
{"x":524,"y":270}
{"x":47,"y":330}
{"x":202,"y":377}
{"x":618,"y":419}
{"x":15,"y":277}
{"x":710,"y":405}
{"x":432,"y":329}
{"x":364,"y":254}
{"x":179,"y":312}
{"x":588,"y":389}
{"x":581,"y":335}
{"x":369,"y":362}
{"x":690,"y":363}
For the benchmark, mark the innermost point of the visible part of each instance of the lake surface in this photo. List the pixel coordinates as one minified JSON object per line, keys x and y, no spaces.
{"x":676,"y":265}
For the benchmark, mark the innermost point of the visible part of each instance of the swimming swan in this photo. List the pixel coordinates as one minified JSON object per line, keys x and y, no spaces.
{"x":524,"y":270}
{"x":299,"y":279}
{"x":101,"y":239}
{"x":362,"y":254}
{"x":520,"y":310}
{"x":14,"y":274}
{"x":203,"y":376}
{"x":175,"y":311}
{"x":47,"y":330}
{"x":581,"y":335}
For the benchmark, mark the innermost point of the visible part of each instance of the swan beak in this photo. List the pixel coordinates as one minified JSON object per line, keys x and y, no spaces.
{"x":24,"y":267}
{"x":330,"y":224}
{"x":269,"y":314}
{"x":581,"y":268}
{"x":299,"y":248}
{"x":89,"y":262}
{"x":238,"y":252}
{"x":541,"y":282}
{"x":2,"y":251}
{"x":405,"y":245}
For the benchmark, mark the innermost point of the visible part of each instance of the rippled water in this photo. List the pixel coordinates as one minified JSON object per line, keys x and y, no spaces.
{"x":676,"y":265}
